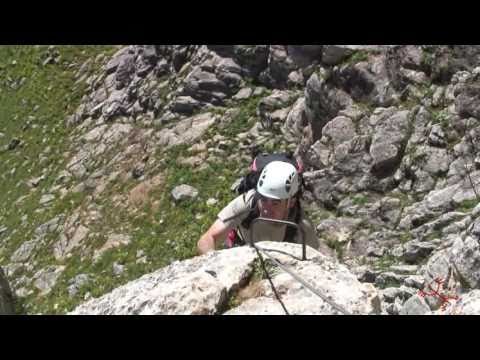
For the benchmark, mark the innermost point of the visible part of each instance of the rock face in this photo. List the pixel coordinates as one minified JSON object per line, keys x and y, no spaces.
{"x":389,"y":136}
{"x":208,"y":283}
{"x":6,"y":296}
{"x":416,"y":305}
{"x":386,"y":149}
{"x":468,"y":304}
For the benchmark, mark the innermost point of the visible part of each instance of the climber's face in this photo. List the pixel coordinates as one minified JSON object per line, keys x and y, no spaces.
{"x":273,"y":209}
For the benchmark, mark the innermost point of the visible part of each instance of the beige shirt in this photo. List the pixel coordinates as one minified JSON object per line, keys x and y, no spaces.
{"x":238,"y":210}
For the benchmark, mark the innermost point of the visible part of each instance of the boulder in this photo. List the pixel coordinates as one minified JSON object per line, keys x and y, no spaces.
{"x":466,"y":304}
{"x":388,"y":143}
{"x":323,"y":101}
{"x":46,"y":278}
{"x":6,"y":296}
{"x":214,"y":283}
{"x":415,"y":305}
{"x":184,"y":191}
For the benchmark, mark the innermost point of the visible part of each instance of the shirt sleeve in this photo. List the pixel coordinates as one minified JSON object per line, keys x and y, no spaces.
{"x":236,"y":211}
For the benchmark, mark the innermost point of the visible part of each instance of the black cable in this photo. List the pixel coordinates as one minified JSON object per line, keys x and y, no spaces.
{"x":306,"y":284}
{"x":270,"y":280}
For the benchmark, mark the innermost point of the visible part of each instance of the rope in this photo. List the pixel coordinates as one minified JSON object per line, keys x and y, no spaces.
{"x":271,"y":282}
{"x":286,"y":269}
{"x":299,"y":279}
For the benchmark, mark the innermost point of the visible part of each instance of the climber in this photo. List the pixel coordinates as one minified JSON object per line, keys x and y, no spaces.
{"x":275,"y":196}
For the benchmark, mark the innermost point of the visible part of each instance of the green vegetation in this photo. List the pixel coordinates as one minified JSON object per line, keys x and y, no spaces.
{"x":441,"y":117}
{"x":467,"y":205}
{"x":164,"y":230}
{"x":333,"y":243}
{"x":383,"y":263}
{"x":435,"y":234}
{"x":360,"y":200}
{"x":36,"y":96}
{"x":357,"y":56}
{"x":405,"y":237}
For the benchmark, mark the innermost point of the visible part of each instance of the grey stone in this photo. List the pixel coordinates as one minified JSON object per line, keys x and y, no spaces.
{"x":280,"y":64}
{"x":45,"y":279}
{"x":205,"y":86}
{"x":76,"y":283}
{"x":45,"y":199}
{"x":113,"y":64}
{"x":323,"y":101}
{"x":25,"y":250}
{"x":466,"y":304}
{"x":295,"y":121}
{"x":389,"y":279}
{"x":185,"y":105}
{"x":48,"y":227}
{"x":438,"y":96}
{"x":364,"y":273}
{"x":259,"y":90}
{"x":118,"y":269}
{"x":23,"y":292}
{"x":252,"y":58}
{"x":305,"y":55}
{"x":415,"y":251}
{"x":438,"y":268}
{"x":389,"y":294}
{"x":334,"y":54}
{"x":404,"y":269}
{"x":35,"y":181}
{"x":186,"y":131}
{"x":437,"y":136}
{"x":243,"y":94}
{"x":375,"y":251}
{"x":386,"y":149}
{"x":68,"y":242}
{"x":295,"y":78}
{"x":338,"y":229}
{"x":183,"y":192}
{"x":339,"y":130}
{"x":416,"y":305}
{"x":113,"y":241}
{"x":435,"y":203}
{"x":229,"y":72}
{"x":6,"y":296}
{"x":415,"y":281}
{"x":125,"y":70}
{"x":212,"y":201}
{"x":277,"y":100}
{"x":367,"y":81}
{"x":467,"y":102}
{"x":465,"y":255}
{"x":202,"y":286}
{"x":394,"y":307}
{"x":437,"y":161}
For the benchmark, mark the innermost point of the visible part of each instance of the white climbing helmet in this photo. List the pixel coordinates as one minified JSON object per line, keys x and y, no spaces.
{"x":278,"y":180}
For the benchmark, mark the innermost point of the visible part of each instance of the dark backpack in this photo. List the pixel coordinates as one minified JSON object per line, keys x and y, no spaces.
{"x":249,"y":181}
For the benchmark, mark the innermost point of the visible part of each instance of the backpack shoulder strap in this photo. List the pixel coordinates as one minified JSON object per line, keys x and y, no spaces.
{"x":243,"y":212}
{"x":254,"y":212}
{"x":291,"y":232}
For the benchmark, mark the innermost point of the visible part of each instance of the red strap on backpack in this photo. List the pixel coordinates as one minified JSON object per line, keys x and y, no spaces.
{"x":231,"y":236}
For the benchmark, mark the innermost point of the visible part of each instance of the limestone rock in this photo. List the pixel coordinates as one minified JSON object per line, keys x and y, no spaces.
{"x":203,"y":285}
